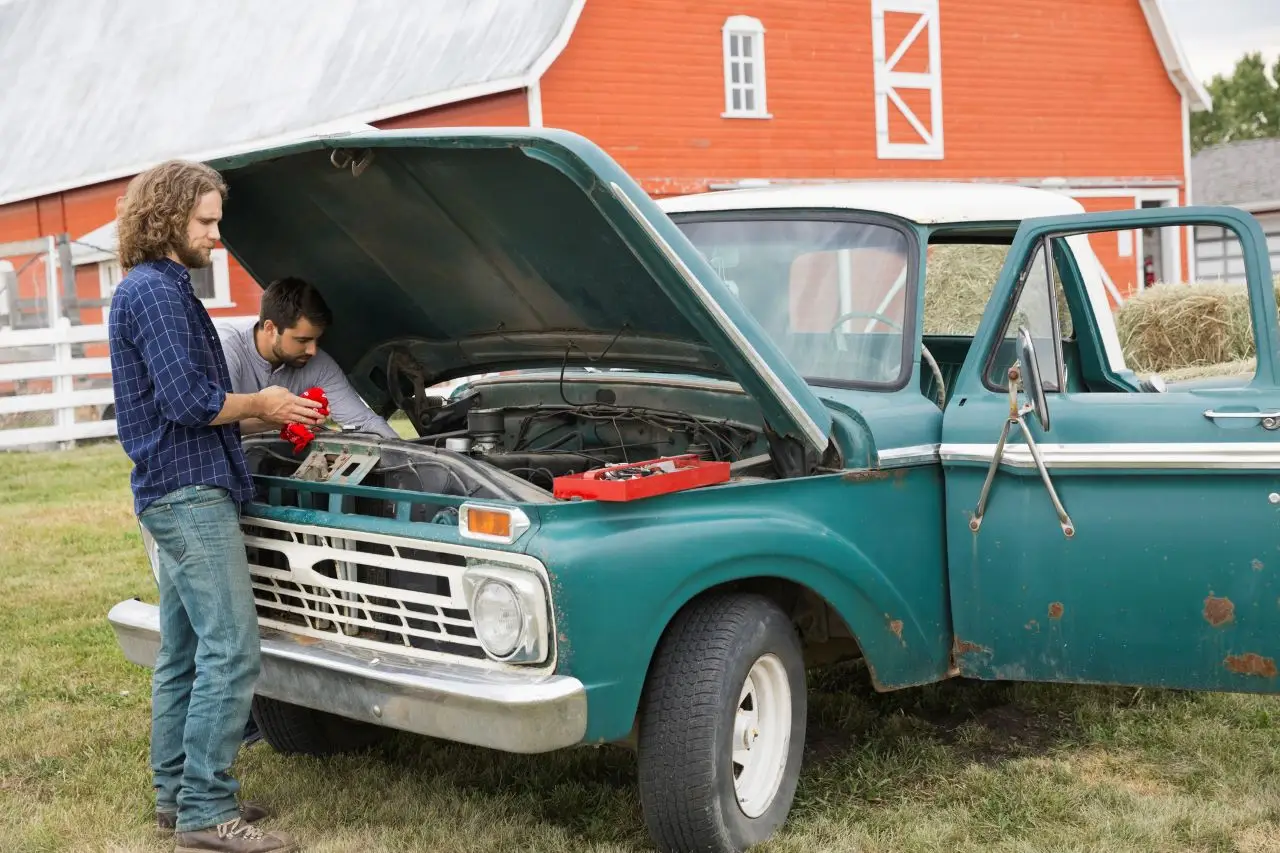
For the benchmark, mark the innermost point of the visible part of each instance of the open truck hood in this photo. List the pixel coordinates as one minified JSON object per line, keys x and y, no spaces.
{"x":480,"y":250}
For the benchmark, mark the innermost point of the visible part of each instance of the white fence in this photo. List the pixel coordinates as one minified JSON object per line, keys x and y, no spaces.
{"x":58,"y":369}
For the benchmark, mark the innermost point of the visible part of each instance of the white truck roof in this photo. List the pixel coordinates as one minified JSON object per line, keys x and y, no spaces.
{"x":926,"y":202}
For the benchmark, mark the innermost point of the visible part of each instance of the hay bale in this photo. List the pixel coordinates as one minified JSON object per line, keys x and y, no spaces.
{"x":1187,"y":327}
{"x":1235,"y":369}
{"x":958,"y":284}
{"x":959,"y":279}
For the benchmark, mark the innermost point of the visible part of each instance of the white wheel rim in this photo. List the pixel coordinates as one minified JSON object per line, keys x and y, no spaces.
{"x":761,"y":735}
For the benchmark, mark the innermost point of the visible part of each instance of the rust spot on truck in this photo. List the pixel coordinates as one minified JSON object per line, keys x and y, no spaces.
{"x":1251,"y":664}
{"x":1218,"y":611}
{"x":964,"y":647}
{"x":961,"y":647}
{"x":1033,"y":625}
{"x":1258,"y":566}
{"x":870,"y":475}
{"x":1055,"y":610}
{"x":895,"y":628}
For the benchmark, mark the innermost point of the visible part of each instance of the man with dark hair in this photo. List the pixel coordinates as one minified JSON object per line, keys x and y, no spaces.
{"x":281,"y":349}
{"x":178,"y":420}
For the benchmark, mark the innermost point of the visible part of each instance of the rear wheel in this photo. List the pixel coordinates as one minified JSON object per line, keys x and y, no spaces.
{"x":722,"y":726}
{"x":293,"y":728}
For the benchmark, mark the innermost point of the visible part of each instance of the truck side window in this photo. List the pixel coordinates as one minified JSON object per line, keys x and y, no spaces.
{"x":1042,"y":308}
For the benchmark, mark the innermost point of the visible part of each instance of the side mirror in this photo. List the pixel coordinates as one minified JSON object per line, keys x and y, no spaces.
{"x":1029,"y":370}
{"x":1026,"y":373}
{"x":1153,"y":384}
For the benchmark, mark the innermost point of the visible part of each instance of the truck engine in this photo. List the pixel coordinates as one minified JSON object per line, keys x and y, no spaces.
{"x":511,"y":453}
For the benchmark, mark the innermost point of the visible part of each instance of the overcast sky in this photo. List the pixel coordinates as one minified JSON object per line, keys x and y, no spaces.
{"x":1215,"y":33}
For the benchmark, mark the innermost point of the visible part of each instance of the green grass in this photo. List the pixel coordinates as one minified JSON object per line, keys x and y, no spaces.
{"x":956,"y":767}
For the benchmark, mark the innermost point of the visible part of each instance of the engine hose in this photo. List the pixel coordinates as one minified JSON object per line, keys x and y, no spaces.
{"x":567,"y":461}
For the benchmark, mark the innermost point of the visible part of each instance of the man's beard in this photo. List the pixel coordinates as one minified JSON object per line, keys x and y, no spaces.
{"x":193,"y":258}
{"x":280,"y":357}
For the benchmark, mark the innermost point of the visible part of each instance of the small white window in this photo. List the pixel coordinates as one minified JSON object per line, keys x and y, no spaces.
{"x":212,"y":284}
{"x":744,"y":95}
{"x":8,"y":285}
{"x":906,"y":45}
{"x":108,"y":277}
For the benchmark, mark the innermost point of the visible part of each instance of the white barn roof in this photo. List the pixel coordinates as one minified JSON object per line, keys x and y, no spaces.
{"x":96,"y":90}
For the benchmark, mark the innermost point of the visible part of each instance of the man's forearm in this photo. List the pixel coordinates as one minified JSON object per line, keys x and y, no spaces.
{"x":238,"y":407}
{"x":249,"y":426}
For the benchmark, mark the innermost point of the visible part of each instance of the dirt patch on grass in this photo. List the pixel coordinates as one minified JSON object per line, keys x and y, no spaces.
{"x":996,"y":734}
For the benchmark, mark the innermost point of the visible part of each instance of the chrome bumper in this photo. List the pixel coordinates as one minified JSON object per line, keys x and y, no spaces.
{"x":499,"y":710}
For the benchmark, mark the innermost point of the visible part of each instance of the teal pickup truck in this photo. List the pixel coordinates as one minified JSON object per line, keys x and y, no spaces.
{"x":999,"y":501}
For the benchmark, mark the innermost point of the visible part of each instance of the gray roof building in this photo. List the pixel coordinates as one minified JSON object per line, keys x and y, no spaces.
{"x":1244,"y":174}
{"x":96,"y":90}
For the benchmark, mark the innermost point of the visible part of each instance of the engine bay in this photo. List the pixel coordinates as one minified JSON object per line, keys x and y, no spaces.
{"x":513,"y":444}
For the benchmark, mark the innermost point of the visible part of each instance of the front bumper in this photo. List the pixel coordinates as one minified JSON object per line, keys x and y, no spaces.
{"x":512,"y":712}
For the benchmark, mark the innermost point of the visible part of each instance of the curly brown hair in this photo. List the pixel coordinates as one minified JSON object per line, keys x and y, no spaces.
{"x":152,"y":216}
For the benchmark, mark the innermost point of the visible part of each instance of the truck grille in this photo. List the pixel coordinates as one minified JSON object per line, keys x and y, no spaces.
{"x":363,"y":589}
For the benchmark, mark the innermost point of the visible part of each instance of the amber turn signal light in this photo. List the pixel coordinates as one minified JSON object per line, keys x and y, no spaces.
{"x":489,"y":522}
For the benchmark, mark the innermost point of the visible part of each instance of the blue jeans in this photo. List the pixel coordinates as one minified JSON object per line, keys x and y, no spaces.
{"x":208,"y":662}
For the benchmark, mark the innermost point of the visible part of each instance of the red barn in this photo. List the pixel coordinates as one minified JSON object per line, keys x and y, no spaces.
{"x":1090,"y":98}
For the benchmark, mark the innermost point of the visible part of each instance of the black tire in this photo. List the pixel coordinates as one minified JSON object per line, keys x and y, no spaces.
{"x":293,"y":728}
{"x":687,"y":715}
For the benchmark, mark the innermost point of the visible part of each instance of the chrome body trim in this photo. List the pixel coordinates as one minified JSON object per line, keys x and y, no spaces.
{"x":915,"y":454}
{"x":610,"y":378}
{"x":1256,"y":455}
{"x":510,"y":711}
{"x":818,"y":439}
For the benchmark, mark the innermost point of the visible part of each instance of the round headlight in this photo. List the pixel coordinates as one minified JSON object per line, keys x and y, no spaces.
{"x":497,"y":617}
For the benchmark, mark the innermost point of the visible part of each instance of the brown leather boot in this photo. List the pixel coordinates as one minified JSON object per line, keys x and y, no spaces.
{"x":250,"y":812}
{"x":234,"y":836}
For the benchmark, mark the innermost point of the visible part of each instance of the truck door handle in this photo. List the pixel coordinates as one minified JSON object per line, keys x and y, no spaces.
{"x":1270,"y":420}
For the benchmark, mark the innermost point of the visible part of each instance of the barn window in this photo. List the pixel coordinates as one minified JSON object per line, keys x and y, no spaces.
{"x":8,"y":285}
{"x":212,"y":284}
{"x":907,"y":55}
{"x":744,"y":95}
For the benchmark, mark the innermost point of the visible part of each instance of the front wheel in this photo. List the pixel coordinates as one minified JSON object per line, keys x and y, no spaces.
{"x":290,"y":728}
{"x":722,"y":726}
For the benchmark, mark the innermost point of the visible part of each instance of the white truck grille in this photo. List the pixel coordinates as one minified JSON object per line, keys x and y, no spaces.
{"x":363,"y":589}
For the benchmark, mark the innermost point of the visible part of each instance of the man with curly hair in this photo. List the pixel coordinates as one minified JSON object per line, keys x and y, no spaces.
{"x":179,"y":422}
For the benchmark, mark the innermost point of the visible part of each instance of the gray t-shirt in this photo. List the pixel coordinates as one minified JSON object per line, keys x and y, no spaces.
{"x":251,"y":372}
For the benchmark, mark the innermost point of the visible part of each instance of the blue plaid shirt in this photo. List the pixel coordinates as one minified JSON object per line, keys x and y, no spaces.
{"x":170,"y":380}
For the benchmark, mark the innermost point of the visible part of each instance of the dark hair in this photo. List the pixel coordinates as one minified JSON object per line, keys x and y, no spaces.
{"x":152,"y":216}
{"x":287,"y":299}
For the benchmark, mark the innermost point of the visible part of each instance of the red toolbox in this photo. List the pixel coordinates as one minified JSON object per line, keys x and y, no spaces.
{"x":634,"y":480}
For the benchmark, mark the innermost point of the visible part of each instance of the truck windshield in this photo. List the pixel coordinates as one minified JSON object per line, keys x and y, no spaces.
{"x":831,"y":294}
